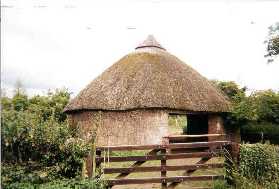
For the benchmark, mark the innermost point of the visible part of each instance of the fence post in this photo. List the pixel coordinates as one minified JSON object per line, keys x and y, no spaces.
{"x":166,"y":141}
{"x":163,"y":168}
{"x":235,"y":152}
{"x":98,"y":163}
{"x":231,"y":161}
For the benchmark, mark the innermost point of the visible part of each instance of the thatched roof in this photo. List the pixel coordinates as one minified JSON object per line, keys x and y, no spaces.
{"x":150,"y":77}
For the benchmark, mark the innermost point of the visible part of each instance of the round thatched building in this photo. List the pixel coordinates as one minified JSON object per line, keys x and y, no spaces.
{"x":130,"y":102}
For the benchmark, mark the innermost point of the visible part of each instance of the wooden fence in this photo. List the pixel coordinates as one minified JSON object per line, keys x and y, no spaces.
{"x":169,"y":150}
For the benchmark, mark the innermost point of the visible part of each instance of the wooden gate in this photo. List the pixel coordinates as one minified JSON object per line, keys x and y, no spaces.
{"x":172,"y":148}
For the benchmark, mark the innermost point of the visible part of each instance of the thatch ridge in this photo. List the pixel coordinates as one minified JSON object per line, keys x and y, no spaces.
{"x":150,"y":78}
{"x":150,"y":42}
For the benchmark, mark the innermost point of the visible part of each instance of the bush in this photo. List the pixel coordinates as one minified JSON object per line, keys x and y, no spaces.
{"x":26,"y":138}
{"x":221,"y":184}
{"x":75,"y":184}
{"x":25,"y":173}
{"x":35,"y":130}
{"x":33,"y":127}
{"x":72,"y":157}
{"x":61,"y":184}
{"x":260,"y":162}
{"x":29,"y":176}
{"x":257,"y":168}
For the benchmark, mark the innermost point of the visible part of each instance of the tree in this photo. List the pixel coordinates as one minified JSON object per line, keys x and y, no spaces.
{"x":272,"y":42}
{"x":267,"y":105}
{"x":236,"y":94}
{"x":18,"y":87}
{"x":231,"y":89}
{"x":20,"y":99}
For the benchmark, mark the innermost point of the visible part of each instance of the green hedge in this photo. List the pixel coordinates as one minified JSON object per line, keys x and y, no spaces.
{"x":257,"y":168}
{"x":260,"y":162}
{"x":221,"y":184}
{"x":61,"y":184}
{"x":258,"y":132}
{"x":15,"y":176}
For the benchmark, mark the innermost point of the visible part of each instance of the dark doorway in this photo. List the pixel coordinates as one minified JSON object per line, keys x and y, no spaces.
{"x":197,"y":124}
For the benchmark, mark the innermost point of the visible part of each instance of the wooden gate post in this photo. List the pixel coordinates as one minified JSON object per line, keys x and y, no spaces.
{"x":163,"y":168}
{"x":98,"y":163}
{"x":235,"y":149}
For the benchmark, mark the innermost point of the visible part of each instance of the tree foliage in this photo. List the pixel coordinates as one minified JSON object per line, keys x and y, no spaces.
{"x":34,"y":129}
{"x":272,"y":42}
{"x":30,"y":177}
{"x":231,"y":89}
{"x":256,"y":114}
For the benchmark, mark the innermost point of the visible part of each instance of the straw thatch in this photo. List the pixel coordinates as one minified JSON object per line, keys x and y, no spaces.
{"x":150,"y":77}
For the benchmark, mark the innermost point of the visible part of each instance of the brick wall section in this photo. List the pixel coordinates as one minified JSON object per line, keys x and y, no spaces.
{"x":122,"y":127}
{"x":215,"y":126}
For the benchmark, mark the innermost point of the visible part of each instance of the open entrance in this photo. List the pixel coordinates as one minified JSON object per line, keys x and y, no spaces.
{"x":197,"y":124}
{"x":190,"y":124}
{"x":177,"y":124}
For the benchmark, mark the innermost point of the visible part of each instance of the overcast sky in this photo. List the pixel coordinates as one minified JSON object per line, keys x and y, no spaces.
{"x":50,"y":44}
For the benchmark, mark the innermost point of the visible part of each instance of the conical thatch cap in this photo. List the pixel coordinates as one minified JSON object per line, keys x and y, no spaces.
{"x":150,"y":77}
{"x":150,"y":42}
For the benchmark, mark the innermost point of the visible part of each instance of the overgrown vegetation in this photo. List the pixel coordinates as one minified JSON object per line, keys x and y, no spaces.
{"x":260,"y":132}
{"x":256,"y":114}
{"x":221,"y":184}
{"x":260,"y":162}
{"x":34,"y":176}
{"x":257,"y":168}
{"x":272,"y":42}
{"x":39,"y":149}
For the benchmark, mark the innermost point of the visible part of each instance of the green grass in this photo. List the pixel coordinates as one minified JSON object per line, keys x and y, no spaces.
{"x":175,"y":129}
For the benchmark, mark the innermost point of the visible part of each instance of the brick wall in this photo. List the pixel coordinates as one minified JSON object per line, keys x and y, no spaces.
{"x":122,"y":127}
{"x":215,"y":126}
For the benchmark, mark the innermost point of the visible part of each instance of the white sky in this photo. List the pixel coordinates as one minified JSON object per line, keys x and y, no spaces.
{"x":67,"y":43}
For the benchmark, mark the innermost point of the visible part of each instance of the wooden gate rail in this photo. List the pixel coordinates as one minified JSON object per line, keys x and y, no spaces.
{"x":194,"y":136}
{"x":163,"y":179}
{"x":181,"y":137}
{"x":189,"y":138}
{"x":165,"y":146}
{"x":158,"y":157}
{"x":160,"y":168}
